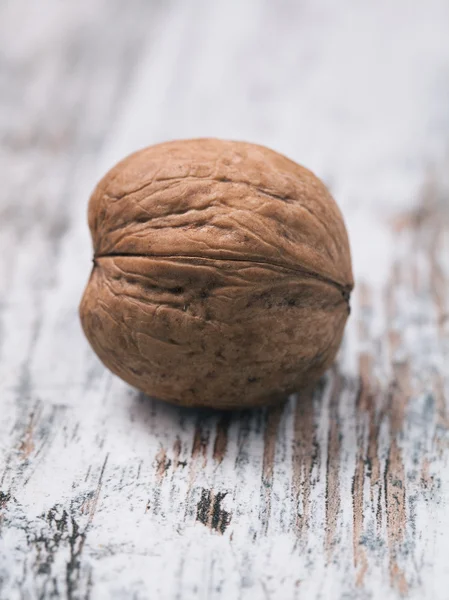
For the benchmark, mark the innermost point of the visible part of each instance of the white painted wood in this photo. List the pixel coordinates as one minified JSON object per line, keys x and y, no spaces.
{"x":105,"y":493}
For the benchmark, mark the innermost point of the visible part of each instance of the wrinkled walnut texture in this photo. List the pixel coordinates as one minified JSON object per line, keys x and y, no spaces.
{"x":222,"y":274}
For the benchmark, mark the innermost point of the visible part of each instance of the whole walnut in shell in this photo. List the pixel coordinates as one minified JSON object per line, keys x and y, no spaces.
{"x":222,"y":274}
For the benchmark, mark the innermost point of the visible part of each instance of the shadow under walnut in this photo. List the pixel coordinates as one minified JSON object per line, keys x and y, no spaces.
{"x":222,"y":274}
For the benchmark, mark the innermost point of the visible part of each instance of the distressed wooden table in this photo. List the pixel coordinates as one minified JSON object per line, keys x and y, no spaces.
{"x":343,"y":493}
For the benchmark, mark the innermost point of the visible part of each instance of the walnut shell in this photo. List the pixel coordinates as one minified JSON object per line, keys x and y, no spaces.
{"x":221,"y":277}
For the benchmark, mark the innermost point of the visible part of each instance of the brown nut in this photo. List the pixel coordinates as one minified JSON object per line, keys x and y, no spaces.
{"x":222,"y":274}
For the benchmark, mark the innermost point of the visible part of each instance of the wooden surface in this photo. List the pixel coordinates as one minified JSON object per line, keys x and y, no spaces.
{"x":344,"y":493}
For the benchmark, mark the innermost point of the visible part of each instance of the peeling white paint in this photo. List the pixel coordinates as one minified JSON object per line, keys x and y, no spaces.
{"x":107,"y":494}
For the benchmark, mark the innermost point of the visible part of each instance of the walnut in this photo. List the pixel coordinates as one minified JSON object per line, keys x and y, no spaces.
{"x":222,"y":274}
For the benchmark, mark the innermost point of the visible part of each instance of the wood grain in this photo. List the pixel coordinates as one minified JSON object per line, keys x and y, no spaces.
{"x":339,"y":493}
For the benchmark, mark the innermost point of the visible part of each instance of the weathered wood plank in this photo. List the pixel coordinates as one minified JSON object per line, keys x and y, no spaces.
{"x":343,"y":493}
